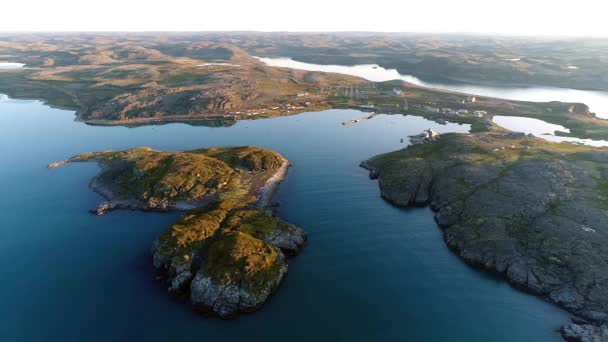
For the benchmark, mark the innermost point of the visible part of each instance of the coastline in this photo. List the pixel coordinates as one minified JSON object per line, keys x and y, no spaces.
{"x":270,"y":189}
{"x":436,"y":80}
{"x":459,"y":189}
{"x":265,"y":194}
{"x":224,"y":192}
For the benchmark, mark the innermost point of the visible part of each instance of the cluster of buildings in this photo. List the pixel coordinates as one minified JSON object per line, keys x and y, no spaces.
{"x":286,"y":108}
{"x":460,"y":112}
{"x":389,"y":107}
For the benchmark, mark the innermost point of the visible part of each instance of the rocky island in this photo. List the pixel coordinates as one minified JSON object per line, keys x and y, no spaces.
{"x":227,"y":253}
{"x":533,"y":211}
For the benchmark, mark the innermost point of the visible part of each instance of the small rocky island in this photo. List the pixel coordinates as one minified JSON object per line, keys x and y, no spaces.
{"x":227,"y":253}
{"x":533,"y":211}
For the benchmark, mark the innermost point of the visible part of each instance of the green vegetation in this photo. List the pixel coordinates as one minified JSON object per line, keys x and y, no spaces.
{"x":142,"y":79}
{"x":226,"y":231}
{"x":129,"y":81}
{"x":237,"y":256}
{"x":443,"y":59}
{"x":159,"y":180}
{"x":249,"y":158}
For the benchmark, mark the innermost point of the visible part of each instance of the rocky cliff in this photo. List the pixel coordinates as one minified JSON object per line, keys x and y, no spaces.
{"x":533,"y":211}
{"x":226,"y":260}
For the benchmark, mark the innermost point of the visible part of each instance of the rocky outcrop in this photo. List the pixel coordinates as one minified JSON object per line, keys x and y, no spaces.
{"x":226,"y":255}
{"x":145,"y":179}
{"x":226,"y":261}
{"x":584,"y":332}
{"x":247,"y":274}
{"x":178,"y":101}
{"x":579,"y":108}
{"x":222,"y":99}
{"x":531,"y":210}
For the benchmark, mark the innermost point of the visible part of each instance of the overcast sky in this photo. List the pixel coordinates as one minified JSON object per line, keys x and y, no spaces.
{"x":519,"y":17}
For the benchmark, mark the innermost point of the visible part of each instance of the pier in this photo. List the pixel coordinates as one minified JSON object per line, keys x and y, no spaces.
{"x":354,"y":121}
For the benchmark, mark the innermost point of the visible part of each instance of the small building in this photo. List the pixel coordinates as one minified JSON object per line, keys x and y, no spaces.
{"x":480,"y":113}
{"x":463,"y":111}
{"x":431,"y":135}
{"x":397,"y":91}
{"x":470,"y":99}
{"x":426,"y":137}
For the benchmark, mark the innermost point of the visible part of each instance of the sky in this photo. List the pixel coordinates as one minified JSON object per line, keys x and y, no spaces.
{"x":509,"y":17}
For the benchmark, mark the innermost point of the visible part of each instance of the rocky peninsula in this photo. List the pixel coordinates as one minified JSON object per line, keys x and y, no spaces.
{"x":227,"y":254}
{"x":533,"y":211}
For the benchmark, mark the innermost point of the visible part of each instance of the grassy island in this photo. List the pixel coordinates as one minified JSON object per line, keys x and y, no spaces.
{"x":227,"y":253}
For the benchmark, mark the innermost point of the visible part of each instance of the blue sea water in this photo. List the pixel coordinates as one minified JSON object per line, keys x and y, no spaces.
{"x":370,"y":271}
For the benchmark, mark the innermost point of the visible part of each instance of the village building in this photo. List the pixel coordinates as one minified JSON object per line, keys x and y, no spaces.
{"x":426,"y":137}
{"x":469,"y":99}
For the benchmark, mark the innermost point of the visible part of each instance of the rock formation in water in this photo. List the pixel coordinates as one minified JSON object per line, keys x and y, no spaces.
{"x":534,"y":211}
{"x":227,"y":260}
{"x":227,"y":253}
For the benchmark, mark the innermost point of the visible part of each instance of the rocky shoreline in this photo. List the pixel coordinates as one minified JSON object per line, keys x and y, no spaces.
{"x":269,"y":190}
{"x":227,"y":254}
{"x":532,"y":211}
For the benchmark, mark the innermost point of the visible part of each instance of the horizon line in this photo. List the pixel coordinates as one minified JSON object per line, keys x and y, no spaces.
{"x":442,"y":33}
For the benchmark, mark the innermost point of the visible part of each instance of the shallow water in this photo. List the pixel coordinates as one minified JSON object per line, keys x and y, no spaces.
{"x":370,"y":272}
{"x":596,"y":100}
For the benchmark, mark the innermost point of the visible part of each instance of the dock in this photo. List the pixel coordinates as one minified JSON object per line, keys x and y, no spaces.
{"x":354,"y":121}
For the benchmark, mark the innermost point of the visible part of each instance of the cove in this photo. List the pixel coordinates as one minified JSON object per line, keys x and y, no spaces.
{"x":370,"y":271}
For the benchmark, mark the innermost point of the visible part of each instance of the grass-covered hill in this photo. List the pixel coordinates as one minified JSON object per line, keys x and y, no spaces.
{"x":135,"y":79}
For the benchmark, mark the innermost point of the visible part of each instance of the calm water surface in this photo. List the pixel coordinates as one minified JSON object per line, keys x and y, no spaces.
{"x":542,"y":129}
{"x":596,"y":100}
{"x":9,"y":65}
{"x":371,"y":272}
